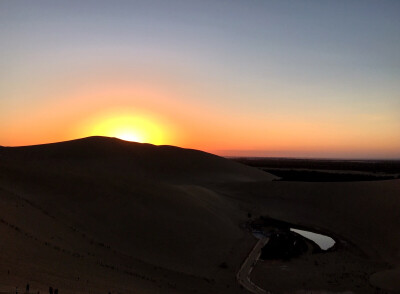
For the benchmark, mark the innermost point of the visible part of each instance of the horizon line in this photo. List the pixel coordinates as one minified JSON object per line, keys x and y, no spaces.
{"x":232,"y":155}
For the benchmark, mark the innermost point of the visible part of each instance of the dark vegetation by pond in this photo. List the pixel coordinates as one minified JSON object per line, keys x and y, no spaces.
{"x":284,"y":245}
{"x":266,"y":222}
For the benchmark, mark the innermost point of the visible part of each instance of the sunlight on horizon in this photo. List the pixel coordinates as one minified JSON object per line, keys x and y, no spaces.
{"x":128,"y":127}
{"x":129,"y":136}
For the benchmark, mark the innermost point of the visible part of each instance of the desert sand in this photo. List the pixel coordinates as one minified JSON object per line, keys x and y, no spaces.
{"x":363,"y":215}
{"x":100,"y":215}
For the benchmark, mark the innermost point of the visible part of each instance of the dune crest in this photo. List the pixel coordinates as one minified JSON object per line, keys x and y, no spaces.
{"x":108,"y":207}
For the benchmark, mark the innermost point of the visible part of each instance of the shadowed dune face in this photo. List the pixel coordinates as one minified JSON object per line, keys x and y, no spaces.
{"x":152,"y":204}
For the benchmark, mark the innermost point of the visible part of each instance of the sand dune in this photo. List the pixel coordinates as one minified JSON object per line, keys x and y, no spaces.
{"x":105,"y":204}
{"x":100,"y":214}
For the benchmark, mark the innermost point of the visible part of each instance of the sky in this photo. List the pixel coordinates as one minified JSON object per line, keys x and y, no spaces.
{"x":248,"y":78}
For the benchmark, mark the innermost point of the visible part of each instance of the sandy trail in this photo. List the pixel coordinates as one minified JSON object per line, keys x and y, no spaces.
{"x":243,"y":275}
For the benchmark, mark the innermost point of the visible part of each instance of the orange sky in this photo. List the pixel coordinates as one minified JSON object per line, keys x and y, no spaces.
{"x":162,"y":116}
{"x":282,"y":79}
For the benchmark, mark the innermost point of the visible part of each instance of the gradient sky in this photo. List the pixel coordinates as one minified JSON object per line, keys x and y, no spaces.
{"x":257,"y":78}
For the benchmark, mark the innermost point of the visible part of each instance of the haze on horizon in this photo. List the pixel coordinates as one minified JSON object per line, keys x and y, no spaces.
{"x":259,"y":78}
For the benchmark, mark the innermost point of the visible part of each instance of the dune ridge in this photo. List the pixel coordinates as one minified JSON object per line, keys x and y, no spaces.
{"x":150,"y":209}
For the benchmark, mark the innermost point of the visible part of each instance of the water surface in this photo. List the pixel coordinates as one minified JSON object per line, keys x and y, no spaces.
{"x":324,"y":242}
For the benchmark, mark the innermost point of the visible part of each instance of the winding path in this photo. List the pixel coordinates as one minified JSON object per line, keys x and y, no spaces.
{"x":243,"y":275}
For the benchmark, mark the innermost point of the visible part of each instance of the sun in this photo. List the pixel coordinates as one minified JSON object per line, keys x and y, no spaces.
{"x":129,"y":136}
{"x":133,"y":127}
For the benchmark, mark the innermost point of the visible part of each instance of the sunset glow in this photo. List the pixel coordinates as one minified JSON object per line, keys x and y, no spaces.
{"x":191,"y":75}
{"x":129,"y":136}
{"x":127,"y":126}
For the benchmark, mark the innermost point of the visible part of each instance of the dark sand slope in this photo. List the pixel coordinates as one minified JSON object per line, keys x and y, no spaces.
{"x":365,"y":214}
{"x":100,"y":214}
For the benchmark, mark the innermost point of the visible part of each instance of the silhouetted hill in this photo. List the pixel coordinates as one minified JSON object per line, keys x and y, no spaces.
{"x":128,"y":210}
{"x":122,"y":156}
